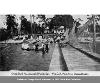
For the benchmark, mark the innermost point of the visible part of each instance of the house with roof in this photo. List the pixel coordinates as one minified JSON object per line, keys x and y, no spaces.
{"x":59,"y":30}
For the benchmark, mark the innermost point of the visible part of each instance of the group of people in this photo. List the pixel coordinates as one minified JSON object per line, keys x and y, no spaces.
{"x":45,"y":43}
{"x":44,"y":49}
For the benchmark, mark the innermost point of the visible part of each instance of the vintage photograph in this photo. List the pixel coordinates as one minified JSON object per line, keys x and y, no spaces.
{"x":49,"y":42}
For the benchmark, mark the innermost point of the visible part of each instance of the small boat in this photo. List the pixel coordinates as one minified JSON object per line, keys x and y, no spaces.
{"x":25,"y":46}
{"x":28,"y":45}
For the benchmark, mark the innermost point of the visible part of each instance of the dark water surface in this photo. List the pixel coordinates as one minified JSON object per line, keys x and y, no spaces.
{"x":12,"y":57}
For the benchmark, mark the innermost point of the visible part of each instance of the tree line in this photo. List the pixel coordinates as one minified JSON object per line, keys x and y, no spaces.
{"x":29,"y":27}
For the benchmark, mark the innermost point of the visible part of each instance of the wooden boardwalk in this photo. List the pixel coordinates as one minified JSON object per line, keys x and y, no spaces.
{"x":55,"y":64}
{"x":77,"y":61}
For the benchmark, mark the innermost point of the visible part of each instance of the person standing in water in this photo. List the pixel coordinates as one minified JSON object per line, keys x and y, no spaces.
{"x":43,"y":51}
{"x":47,"y":48}
{"x":36,"y":47}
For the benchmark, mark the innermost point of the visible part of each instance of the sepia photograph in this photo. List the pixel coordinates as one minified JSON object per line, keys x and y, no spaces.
{"x":42,"y":42}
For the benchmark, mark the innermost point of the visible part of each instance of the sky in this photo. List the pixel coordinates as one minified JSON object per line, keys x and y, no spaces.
{"x":3,"y":19}
{"x":82,"y":17}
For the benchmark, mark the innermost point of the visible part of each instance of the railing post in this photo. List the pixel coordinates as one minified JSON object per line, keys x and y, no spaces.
{"x":94,"y":34}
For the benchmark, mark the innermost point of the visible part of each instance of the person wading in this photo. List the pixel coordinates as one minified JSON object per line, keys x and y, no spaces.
{"x":43,"y":51}
{"x":36,"y":47}
{"x":47,"y":48}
